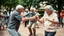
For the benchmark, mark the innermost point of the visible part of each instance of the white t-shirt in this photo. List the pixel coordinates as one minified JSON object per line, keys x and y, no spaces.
{"x":49,"y":26}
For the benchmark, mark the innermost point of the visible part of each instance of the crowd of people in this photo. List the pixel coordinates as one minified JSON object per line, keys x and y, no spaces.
{"x":31,"y":20}
{"x":4,"y":18}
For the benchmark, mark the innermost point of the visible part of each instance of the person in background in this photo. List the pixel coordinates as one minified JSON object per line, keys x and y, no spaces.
{"x":1,"y":21}
{"x":49,"y":21}
{"x":32,"y":23}
{"x":6,"y":17}
{"x":26,"y":12}
{"x":37,"y":12}
{"x":61,"y":17}
{"x":12,"y":10}
{"x":15,"y":19}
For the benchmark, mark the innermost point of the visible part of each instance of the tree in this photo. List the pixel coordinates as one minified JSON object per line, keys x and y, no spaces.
{"x":29,"y":3}
{"x":9,"y":3}
{"x":2,"y":2}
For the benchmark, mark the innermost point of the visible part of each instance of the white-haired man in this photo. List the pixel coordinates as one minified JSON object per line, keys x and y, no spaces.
{"x":32,"y":23}
{"x":50,"y":21}
{"x":15,"y":19}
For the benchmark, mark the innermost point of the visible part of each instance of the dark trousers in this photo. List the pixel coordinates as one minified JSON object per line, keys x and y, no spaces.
{"x":50,"y":33}
{"x":61,"y":21}
{"x":27,"y":22}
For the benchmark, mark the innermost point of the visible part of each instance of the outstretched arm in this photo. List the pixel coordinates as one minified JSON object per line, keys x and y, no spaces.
{"x":40,"y":20}
{"x":26,"y":18}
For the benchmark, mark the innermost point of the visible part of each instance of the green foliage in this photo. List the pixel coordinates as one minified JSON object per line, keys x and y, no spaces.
{"x":41,"y":11}
{"x":25,"y":3}
{"x":29,"y":3}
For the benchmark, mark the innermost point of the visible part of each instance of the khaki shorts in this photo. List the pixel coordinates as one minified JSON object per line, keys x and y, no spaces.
{"x":32,"y":24}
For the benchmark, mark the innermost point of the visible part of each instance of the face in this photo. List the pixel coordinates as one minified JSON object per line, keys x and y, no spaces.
{"x":32,"y":10}
{"x":21,"y":10}
{"x":37,"y":11}
{"x":5,"y":11}
{"x":49,"y":12}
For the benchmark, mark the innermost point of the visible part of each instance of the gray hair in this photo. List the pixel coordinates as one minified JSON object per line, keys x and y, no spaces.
{"x":19,"y":7}
{"x":50,"y":8}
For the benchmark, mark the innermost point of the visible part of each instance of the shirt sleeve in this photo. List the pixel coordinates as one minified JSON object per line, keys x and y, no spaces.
{"x":18,"y":17}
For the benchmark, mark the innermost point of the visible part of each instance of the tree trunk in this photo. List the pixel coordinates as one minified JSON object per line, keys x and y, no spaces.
{"x":59,"y":8}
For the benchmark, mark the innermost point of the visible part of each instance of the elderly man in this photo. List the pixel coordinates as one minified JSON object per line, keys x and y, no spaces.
{"x":15,"y":19}
{"x":32,"y":23}
{"x":50,"y":21}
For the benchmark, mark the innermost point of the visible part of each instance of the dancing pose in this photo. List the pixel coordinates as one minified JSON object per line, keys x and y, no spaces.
{"x":15,"y":19}
{"x":50,"y":21}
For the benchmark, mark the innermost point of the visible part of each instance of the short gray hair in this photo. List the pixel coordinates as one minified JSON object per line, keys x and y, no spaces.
{"x":19,"y":7}
{"x":50,"y":8}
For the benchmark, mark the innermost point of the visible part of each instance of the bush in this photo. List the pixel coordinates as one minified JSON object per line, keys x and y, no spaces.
{"x":41,"y":11}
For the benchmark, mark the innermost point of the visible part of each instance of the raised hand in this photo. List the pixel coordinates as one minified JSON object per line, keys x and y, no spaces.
{"x":36,"y":17}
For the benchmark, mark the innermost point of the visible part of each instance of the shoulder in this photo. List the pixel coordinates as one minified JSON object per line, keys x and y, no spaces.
{"x":14,"y":13}
{"x":55,"y":14}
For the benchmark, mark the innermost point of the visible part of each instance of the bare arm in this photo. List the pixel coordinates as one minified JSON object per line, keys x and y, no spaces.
{"x":26,"y":18}
{"x":40,"y":20}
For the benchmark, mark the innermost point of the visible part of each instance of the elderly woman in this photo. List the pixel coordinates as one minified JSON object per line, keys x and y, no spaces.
{"x":15,"y":19}
{"x":50,"y":21}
